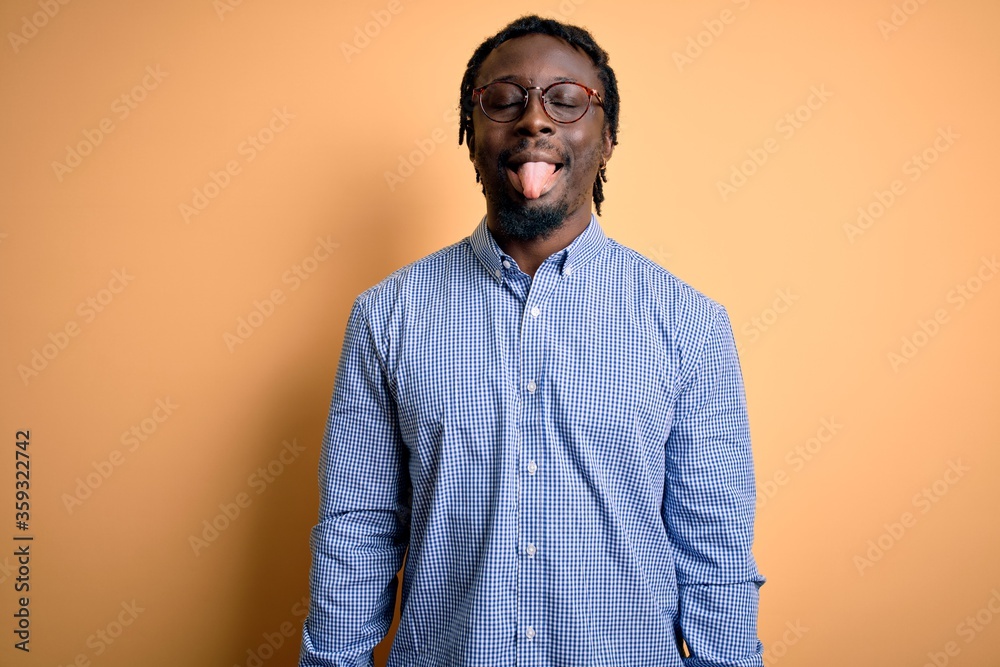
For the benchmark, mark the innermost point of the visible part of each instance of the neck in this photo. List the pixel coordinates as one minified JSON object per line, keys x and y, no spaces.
{"x":530,"y":253}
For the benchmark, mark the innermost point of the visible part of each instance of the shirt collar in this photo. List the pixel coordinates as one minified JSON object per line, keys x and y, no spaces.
{"x":581,"y":250}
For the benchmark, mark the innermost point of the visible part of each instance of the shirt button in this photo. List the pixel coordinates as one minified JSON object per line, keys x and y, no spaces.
{"x":535,"y":311}
{"x":532,"y":386}
{"x":499,"y":273}
{"x":532,"y":467}
{"x":568,"y":270}
{"x":529,"y":632}
{"x":532,"y":550}
{"x":506,"y":264}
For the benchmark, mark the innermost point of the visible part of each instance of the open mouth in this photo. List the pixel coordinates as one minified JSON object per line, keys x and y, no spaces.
{"x":534,"y":179}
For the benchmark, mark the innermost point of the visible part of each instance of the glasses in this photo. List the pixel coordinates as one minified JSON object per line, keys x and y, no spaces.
{"x":563,"y":101}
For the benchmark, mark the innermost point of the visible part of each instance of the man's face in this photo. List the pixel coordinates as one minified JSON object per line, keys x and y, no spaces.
{"x":576,"y":149}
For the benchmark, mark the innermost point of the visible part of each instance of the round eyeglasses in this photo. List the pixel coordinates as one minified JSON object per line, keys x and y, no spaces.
{"x":563,"y":101}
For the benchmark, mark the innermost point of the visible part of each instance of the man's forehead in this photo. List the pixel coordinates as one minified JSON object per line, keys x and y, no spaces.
{"x":537,"y":56}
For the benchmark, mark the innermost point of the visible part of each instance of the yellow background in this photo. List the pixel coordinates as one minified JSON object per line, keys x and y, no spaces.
{"x":819,"y":307}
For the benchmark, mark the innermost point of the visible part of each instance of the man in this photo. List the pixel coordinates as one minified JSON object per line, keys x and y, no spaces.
{"x":551,"y":424}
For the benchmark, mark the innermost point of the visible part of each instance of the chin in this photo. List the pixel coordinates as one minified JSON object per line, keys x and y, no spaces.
{"x":524,"y":223}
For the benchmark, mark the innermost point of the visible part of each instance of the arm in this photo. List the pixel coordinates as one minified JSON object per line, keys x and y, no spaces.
{"x":363,"y":529}
{"x":709,"y":508}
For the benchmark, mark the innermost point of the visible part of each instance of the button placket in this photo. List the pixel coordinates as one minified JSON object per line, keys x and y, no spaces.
{"x":532,"y":565}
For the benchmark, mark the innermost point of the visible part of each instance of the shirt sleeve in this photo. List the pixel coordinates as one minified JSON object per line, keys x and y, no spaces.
{"x":363,"y":529}
{"x":709,"y":508}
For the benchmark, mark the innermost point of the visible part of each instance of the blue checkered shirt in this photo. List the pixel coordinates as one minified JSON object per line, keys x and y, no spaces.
{"x":564,"y":460}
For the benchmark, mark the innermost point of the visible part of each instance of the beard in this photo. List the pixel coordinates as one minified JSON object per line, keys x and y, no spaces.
{"x":517,"y":220}
{"x":523,"y":223}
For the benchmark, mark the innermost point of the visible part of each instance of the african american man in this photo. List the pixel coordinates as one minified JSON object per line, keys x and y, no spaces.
{"x":551,"y":427}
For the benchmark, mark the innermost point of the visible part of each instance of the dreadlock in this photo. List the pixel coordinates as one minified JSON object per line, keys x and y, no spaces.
{"x":574,"y":36}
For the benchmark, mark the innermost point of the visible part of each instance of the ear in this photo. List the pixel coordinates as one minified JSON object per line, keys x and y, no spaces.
{"x":608,"y":148}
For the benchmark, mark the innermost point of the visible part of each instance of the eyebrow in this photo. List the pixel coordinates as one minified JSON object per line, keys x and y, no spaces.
{"x":514,"y":78}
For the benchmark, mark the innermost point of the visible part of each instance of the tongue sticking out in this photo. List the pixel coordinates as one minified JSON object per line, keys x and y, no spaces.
{"x":533,"y":177}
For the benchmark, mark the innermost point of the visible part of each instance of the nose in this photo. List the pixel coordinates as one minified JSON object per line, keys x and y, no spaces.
{"x":535,"y":120}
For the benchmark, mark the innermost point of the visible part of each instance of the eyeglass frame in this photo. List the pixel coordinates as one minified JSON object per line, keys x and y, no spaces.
{"x":591,"y":94}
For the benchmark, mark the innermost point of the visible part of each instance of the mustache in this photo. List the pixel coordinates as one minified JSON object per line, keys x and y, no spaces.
{"x":524,"y":145}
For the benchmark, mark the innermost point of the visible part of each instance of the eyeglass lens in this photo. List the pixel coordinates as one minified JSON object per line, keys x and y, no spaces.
{"x":565,"y":102}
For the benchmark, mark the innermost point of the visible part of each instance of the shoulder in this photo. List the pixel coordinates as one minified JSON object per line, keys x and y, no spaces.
{"x":683,"y":306}
{"x":387,"y":309}
{"x":412,"y":281}
{"x":694,"y":327}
